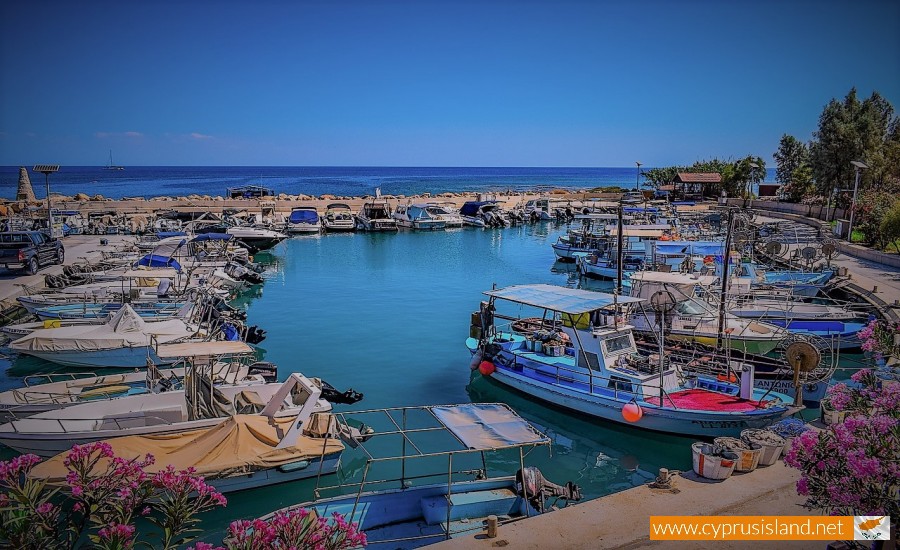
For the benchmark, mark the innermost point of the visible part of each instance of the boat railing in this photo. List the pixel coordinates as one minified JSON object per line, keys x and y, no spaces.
{"x":49,"y":377}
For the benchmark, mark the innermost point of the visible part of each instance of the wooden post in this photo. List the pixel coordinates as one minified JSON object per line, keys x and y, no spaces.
{"x":492,"y":526}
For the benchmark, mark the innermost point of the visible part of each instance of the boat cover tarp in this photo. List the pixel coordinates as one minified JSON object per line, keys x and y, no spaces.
{"x":558,"y":298}
{"x":304,"y":216}
{"x":202,"y":349}
{"x":126,"y":329}
{"x":699,"y":248}
{"x":484,"y":426}
{"x":647,"y":283}
{"x":155,"y":260}
{"x":241,"y":444}
{"x":471,"y":208}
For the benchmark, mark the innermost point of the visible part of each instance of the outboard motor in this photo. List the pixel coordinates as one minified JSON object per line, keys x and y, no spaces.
{"x":330,"y":394}
{"x":267,"y":370}
{"x":255,"y":335}
{"x":532,"y":486}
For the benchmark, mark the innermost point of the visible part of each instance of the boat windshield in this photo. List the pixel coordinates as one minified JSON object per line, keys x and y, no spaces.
{"x":689,"y":307}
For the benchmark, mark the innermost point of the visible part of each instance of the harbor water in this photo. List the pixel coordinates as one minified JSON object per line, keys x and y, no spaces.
{"x":388,"y":314}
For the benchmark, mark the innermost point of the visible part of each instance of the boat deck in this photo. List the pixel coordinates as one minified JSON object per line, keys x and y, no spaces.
{"x":702,"y":400}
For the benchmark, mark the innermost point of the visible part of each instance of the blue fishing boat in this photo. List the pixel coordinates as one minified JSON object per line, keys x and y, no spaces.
{"x":437,"y":485}
{"x":591,"y":365}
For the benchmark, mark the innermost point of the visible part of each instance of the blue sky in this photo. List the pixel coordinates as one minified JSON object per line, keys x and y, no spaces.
{"x":429,"y":83}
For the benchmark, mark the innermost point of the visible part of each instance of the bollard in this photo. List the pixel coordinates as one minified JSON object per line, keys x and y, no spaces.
{"x":492,"y":526}
{"x":874,"y":289}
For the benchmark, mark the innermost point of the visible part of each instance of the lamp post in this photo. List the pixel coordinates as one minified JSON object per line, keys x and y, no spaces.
{"x":637,"y":182}
{"x":859,"y":166}
{"x":47,"y":169}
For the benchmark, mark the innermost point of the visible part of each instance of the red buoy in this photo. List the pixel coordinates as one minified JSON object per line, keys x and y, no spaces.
{"x":486,"y":368}
{"x":632,"y":412}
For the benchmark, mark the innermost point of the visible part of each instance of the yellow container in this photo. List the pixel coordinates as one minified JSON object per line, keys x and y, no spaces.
{"x":581,"y":321}
{"x":52,"y":323}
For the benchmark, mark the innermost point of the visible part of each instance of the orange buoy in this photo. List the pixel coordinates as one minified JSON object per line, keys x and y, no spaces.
{"x":486,"y":368}
{"x":730,"y":378}
{"x":632,"y":412}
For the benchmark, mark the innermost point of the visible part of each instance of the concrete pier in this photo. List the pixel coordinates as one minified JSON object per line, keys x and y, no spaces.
{"x":622,"y":520}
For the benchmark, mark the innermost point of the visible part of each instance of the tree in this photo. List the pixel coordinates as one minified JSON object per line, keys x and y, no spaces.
{"x":791,"y":155}
{"x":855,"y":130}
{"x":890,"y":225}
{"x":800,"y":184}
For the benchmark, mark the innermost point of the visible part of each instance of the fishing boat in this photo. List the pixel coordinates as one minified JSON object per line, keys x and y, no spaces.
{"x":90,"y":310}
{"x":446,"y":212}
{"x":244,"y":451}
{"x":483,"y":214}
{"x":47,"y":392}
{"x":437,"y":485}
{"x":125,"y":341}
{"x":694,"y":319}
{"x":596,"y":369}
{"x":201,"y":404}
{"x":538,"y":210}
{"x":112,"y":166}
{"x":417,"y":216}
{"x":304,"y":219}
{"x":338,"y":218}
{"x":376,"y":216}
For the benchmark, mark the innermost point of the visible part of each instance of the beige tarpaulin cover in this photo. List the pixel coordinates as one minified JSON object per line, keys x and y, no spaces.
{"x":682,"y":285}
{"x":241,"y":444}
{"x":126,"y":329}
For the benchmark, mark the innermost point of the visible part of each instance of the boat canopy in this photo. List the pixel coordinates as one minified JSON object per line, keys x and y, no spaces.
{"x":557,"y":298}
{"x":646,"y":283}
{"x":125,"y":329}
{"x":160,"y":272}
{"x":486,"y":426}
{"x":304,"y":216}
{"x":338,"y":206}
{"x":699,"y":248}
{"x":470,"y":208}
{"x":647,"y":231}
{"x":202,"y":349}
{"x":166,"y":234}
{"x":156,"y":260}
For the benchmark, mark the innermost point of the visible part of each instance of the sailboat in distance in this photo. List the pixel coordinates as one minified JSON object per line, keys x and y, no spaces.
{"x":112,"y":166}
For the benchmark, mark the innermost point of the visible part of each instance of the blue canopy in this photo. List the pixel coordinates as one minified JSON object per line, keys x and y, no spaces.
{"x":471,"y":207}
{"x":166,"y":234}
{"x":700,"y":248}
{"x":304,"y":216}
{"x":154,"y":260}
{"x":634,"y":209}
{"x":211,"y":237}
{"x":559,"y":298}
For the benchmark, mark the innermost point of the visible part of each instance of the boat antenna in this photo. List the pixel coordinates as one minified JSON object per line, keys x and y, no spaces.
{"x":724,"y":290}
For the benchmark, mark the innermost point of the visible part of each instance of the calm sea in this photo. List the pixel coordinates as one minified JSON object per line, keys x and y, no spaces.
{"x":154,"y":181}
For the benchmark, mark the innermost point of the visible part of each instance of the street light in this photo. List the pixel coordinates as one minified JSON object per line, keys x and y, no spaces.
{"x":859,"y":166}
{"x":47,"y":169}
{"x":637,"y":182}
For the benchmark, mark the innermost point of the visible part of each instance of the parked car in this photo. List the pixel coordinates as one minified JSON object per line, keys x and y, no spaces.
{"x":29,"y":250}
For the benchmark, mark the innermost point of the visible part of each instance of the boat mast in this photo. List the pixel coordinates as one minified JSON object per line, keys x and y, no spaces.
{"x":723,"y":292}
{"x":619,"y":245}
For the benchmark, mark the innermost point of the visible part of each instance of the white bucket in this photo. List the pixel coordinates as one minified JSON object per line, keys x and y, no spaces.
{"x":748,"y":453}
{"x":772,"y":444}
{"x":710,"y":466}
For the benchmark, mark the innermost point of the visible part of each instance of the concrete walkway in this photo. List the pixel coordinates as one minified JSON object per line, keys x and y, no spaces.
{"x":622,"y":520}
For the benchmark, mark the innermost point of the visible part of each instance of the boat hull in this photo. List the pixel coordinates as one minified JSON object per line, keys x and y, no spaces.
{"x":120,"y":358}
{"x":679,"y":422}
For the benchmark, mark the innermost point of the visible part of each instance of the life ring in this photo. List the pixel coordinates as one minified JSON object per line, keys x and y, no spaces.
{"x":708,"y":260}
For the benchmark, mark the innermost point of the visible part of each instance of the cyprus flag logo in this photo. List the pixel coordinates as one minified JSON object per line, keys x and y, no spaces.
{"x":871,"y":528}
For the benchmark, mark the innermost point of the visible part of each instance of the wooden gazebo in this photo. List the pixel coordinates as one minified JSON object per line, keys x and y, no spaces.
{"x":698,"y":184}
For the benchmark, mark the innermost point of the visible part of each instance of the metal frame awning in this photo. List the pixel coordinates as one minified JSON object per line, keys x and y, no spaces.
{"x":558,"y":298}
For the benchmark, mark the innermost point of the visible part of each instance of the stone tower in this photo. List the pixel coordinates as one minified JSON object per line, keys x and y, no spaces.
{"x":25,"y":192}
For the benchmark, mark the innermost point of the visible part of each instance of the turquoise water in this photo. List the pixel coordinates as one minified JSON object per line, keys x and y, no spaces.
{"x":388,"y":314}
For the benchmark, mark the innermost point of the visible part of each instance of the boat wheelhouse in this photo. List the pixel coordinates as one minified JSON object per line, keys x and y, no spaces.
{"x":376,"y":216}
{"x":249,"y":192}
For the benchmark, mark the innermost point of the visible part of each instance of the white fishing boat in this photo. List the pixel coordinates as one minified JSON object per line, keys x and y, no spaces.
{"x":125,"y":341}
{"x":595,"y":368}
{"x":47,"y":392}
{"x":304,"y":219}
{"x":451,"y":471}
{"x":338,"y":218}
{"x":694,"y":320}
{"x":256,"y":239}
{"x":243,"y":451}
{"x":417,"y":216}
{"x":201,"y":404}
{"x":376,"y":216}
{"x":446,"y":212}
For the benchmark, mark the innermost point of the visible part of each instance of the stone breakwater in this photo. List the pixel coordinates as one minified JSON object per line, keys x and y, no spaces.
{"x":283,"y":202}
